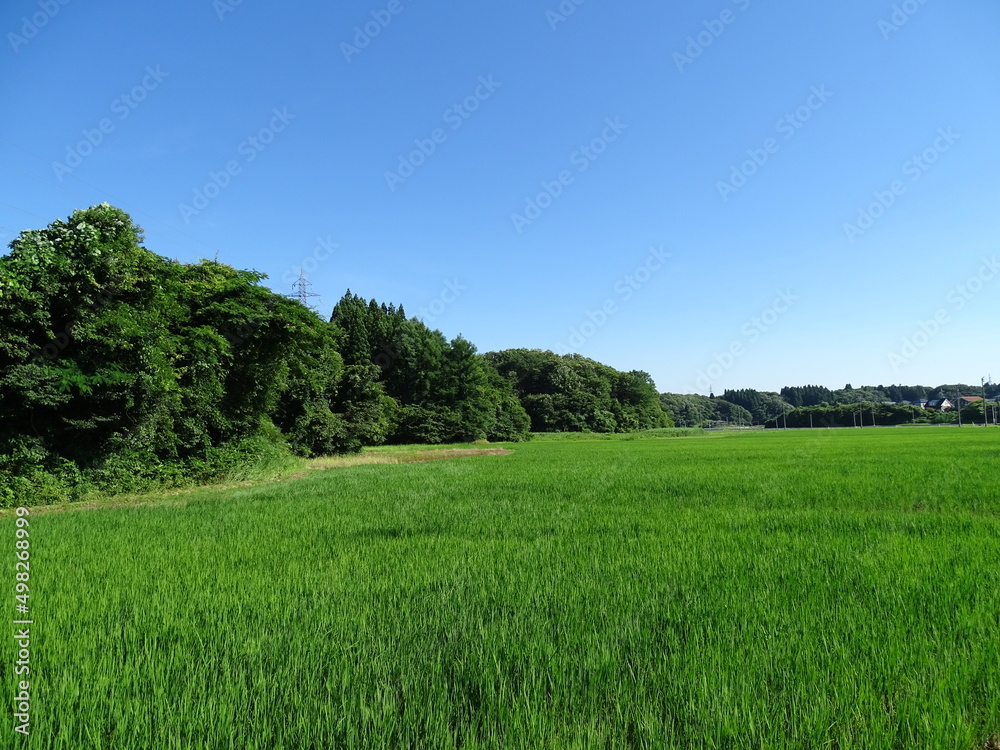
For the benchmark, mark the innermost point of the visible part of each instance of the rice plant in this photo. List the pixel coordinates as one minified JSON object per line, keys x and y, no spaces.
{"x":835,"y":589}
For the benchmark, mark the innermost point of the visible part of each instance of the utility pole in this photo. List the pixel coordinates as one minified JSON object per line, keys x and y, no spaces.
{"x":958,"y":398}
{"x":990,"y":379}
{"x":982,"y":382}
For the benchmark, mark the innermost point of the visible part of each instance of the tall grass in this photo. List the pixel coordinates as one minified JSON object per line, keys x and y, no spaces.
{"x":656,"y":432}
{"x":783,"y":590}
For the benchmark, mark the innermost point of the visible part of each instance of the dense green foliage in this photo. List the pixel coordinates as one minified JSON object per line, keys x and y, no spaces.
{"x":952,"y":391}
{"x":867,"y":415}
{"x":763,"y":406}
{"x":807,"y":395}
{"x":119,"y":367}
{"x":121,"y":370}
{"x":815,"y":589}
{"x":815,"y":395}
{"x":571,"y":393}
{"x":445,"y":392}
{"x":862,"y":415}
{"x":980,"y":411}
{"x":899,"y":393}
{"x":695,"y":410}
{"x":885,"y":405}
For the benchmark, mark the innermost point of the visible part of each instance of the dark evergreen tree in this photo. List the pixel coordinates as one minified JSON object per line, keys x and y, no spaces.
{"x":442,"y":389}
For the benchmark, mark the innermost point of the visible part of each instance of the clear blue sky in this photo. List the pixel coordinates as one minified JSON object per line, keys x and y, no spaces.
{"x":302,"y":123}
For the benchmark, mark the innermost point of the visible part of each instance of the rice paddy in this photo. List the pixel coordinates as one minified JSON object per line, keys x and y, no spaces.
{"x":800,"y":589}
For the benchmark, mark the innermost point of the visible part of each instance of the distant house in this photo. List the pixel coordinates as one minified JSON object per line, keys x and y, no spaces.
{"x":921,"y":402}
{"x":966,"y":400}
{"x":940,"y":404}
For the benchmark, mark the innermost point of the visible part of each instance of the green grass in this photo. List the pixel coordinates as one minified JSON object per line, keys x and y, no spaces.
{"x":827,"y":589}
{"x":659,"y":432}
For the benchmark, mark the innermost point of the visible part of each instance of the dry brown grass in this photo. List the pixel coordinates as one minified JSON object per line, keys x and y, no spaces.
{"x":404,"y":457}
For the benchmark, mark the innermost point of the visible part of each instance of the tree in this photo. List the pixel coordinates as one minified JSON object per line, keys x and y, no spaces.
{"x":974,"y":412}
{"x":695,"y":410}
{"x":443,"y":390}
{"x":808,"y":395}
{"x":119,"y":367}
{"x":764,"y":406}
{"x":572,"y":393}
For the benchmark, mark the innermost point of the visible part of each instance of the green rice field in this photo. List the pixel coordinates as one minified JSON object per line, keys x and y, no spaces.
{"x":787,"y":589}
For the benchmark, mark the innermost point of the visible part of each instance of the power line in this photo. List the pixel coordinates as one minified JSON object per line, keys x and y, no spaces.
{"x":303,"y":291}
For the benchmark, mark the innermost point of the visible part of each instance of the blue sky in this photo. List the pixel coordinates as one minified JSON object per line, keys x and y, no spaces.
{"x":733,"y":193}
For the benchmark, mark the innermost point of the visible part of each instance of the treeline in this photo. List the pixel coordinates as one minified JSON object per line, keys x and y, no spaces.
{"x":814,"y":395}
{"x":571,"y":393}
{"x":870,"y":415}
{"x":121,"y":370}
{"x":834,"y":408}
{"x":744,"y":407}
{"x":695,"y":410}
{"x":762,"y":405}
{"x":438,"y":391}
